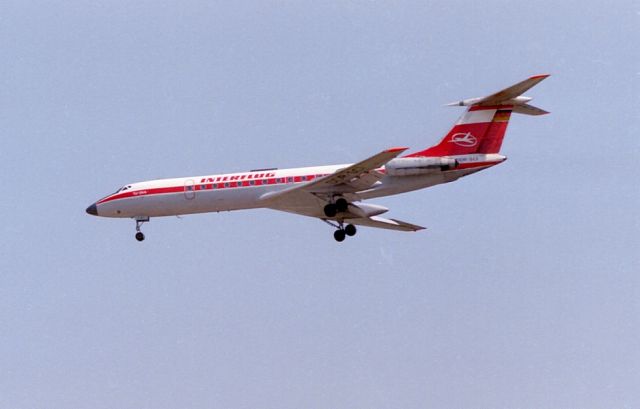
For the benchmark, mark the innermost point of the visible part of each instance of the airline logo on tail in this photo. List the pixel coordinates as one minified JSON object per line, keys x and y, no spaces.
{"x":466,"y":140}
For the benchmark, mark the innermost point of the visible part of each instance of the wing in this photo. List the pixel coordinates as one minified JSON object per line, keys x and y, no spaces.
{"x":353,"y":178}
{"x":310,"y":198}
{"x":355,"y":216}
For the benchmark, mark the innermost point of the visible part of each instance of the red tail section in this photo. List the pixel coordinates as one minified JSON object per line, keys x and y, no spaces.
{"x":480,"y":130}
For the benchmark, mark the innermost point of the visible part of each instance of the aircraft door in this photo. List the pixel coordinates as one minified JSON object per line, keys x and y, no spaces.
{"x":189,"y":189}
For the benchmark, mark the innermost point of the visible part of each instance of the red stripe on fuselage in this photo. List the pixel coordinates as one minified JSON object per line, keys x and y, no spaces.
{"x":211,"y":186}
{"x":245,"y":183}
{"x":142,"y":192}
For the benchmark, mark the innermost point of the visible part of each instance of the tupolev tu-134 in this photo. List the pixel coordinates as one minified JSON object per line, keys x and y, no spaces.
{"x":336,"y":194}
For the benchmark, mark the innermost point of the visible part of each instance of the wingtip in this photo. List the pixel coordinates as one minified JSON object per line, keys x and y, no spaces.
{"x":539,"y":76}
{"x":397,"y":149}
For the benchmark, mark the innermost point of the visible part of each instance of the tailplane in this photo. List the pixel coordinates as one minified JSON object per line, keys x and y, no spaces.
{"x":482,"y":127}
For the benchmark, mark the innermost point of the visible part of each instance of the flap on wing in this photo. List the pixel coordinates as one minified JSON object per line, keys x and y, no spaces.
{"x":382,"y":223}
{"x":355,"y":177}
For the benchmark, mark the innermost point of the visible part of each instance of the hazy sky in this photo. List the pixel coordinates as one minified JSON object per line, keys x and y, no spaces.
{"x":523,"y":293}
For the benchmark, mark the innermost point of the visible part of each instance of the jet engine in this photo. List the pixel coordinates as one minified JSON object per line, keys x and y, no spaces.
{"x":366,"y":209}
{"x":419,"y":166}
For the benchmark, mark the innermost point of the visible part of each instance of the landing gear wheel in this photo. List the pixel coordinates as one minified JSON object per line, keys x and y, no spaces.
{"x":350,"y":230}
{"x":342,"y":205}
{"x":339,"y":235}
{"x":139,"y":221}
{"x":330,"y":210}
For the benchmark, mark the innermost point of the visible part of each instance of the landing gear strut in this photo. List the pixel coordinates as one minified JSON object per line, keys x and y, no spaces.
{"x":139,"y":221}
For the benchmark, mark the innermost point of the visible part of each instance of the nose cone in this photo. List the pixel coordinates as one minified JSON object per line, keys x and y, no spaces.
{"x":92,"y":210}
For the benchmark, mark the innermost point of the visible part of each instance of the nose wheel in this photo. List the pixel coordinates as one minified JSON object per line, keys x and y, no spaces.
{"x":139,"y":222}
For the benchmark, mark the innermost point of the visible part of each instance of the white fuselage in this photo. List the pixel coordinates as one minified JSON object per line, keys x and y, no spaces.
{"x":247,"y":190}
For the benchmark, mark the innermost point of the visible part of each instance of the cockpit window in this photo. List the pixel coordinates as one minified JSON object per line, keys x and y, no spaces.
{"x":122,"y":189}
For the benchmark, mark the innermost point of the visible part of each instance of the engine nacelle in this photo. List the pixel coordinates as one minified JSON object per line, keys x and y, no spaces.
{"x":366,"y":209}
{"x":419,"y":166}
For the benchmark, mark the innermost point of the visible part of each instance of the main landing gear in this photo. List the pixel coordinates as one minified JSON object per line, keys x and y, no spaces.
{"x":139,"y":221}
{"x":340,"y":206}
{"x":342,"y":231}
{"x":331,"y":210}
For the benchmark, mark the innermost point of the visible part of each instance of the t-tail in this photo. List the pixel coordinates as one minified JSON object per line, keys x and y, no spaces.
{"x":482,"y":127}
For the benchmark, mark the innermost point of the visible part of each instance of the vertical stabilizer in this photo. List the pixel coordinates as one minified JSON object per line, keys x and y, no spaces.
{"x":482,"y":127}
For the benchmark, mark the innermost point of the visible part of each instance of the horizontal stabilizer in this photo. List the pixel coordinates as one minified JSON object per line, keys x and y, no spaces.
{"x":511,"y":96}
{"x":527,"y":109}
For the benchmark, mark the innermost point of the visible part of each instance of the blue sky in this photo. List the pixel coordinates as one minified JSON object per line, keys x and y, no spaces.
{"x":522,"y":293}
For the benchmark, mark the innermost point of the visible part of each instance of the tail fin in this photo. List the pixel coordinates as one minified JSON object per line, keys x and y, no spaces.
{"x":482,"y":127}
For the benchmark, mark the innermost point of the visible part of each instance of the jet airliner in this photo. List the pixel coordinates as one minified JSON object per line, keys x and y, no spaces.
{"x":336,"y":194}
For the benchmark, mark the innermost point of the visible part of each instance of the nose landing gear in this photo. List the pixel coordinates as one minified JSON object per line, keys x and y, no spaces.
{"x":139,"y":222}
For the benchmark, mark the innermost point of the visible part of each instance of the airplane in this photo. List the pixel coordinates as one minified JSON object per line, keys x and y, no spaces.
{"x":336,"y":194}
